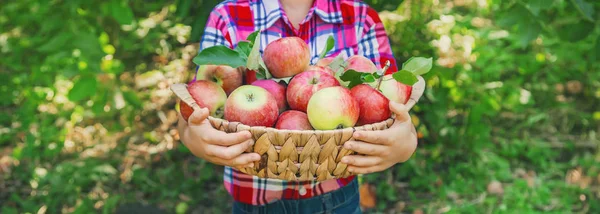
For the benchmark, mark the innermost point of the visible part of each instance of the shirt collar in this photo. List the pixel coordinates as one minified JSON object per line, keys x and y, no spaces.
{"x":328,"y":10}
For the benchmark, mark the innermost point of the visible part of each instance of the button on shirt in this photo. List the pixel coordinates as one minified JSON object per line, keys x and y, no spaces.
{"x":357,"y":30}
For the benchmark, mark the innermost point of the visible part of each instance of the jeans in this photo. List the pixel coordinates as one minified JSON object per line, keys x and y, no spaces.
{"x":344,"y":200}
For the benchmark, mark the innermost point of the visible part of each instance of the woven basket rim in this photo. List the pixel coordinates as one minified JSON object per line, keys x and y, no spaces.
{"x":290,"y":131}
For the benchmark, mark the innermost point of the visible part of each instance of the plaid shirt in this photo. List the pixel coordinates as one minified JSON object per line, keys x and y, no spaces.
{"x":357,"y":30}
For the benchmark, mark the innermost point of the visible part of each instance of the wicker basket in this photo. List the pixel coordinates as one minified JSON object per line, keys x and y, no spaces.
{"x":297,"y":155}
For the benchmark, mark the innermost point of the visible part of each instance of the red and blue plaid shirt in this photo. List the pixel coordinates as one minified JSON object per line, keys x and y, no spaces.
{"x":357,"y":30}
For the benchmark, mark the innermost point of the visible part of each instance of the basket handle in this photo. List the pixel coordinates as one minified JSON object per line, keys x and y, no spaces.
{"x":181,"y":91}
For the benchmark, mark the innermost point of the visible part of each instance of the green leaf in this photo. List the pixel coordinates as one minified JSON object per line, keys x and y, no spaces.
{"x":243,"y":48}
{"x":56,"y":43}
{"x":328,"y":47}
{"x":254,"y":58}
{"x":121,"y":12}
{"x":535,"y":6}
{"x":529,"y":32}
{"x":586,"y":9}
{"x":418,"y":65}
{"x":352,"y":76}
{"x":219,"y":55}
{"x":575,"y":31}
{"x":132,"y":99}
{"x":366,"y":77}
{"x":405,"y":77}
{"x":252,"y":37}
{"x":84,"y":88}
{"x":183,"y":8}
{"x":337,"y":63}
{"x":264,"y":70}
{"x":598,"y":48}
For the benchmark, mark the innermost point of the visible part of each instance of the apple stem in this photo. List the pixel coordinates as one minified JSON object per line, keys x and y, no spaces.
{"x":387,"y":65}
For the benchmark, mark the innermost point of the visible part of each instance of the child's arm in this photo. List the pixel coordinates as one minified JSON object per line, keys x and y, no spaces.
{"x":198,"y":135}
{"x":384,"y":148}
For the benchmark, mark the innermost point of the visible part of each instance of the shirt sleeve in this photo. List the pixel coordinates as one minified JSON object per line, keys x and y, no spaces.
{"x":216,"y":32}
{"x":374,"y":42}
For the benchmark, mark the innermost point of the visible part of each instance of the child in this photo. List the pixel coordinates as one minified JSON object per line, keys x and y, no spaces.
{"x":357,"y":30}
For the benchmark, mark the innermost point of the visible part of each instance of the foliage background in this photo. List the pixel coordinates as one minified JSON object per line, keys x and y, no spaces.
{"x":509,"y":122}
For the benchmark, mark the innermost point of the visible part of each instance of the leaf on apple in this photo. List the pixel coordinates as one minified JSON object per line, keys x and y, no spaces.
{"x":418,"y":65}
{"x":328,"y":47}
{"x":254,"y":57}
{"x":367,"y":77}
{"x":244,"y":48}
{"x":255,"y":61}
{"x":252,"y":37}
{"x":338,"y":63}
{"x":285,"y":79}
{"x":219,"y":55}
{"x":405,"y":77}
{"x":353,"y":78}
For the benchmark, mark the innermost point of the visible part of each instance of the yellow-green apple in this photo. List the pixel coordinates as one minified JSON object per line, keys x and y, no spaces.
{"x":320,"y":68}
{"x":286,"y":57}
{"x":332,"y":108}
{"x":277,"y":89}
{"x":208,"y":95}
{"x":325,"y":61}
{"x":302,"y":86}
{"x":293,"y":120}
{"x":227,"y":77}
{"x":360,"y":63}
{"x":374,"y":106}
{"x":394,"y":90}
{"x":251,"y":105}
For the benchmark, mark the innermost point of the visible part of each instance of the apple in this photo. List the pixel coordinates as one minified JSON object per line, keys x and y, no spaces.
{"x":249,"y":75}
{"x":251,"y":105}
{"x":325,"y":61}
{"x":293,"y":120}
{"x":320,"y":68}
{"x":286,"y":57}
{"x":227,"y":77}
{"x":332,"y":108}
{"x":394,"y":90}
{"x":276,"y":89}
{"x":185,"y":110}
{"x":208,"y":95}
{"x":302,"y":86}
{"x":360,"y":63}
{"x":374,"y":106}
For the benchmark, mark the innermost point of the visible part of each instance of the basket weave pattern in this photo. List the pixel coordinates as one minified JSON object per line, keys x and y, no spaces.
{"x":298,"y":155}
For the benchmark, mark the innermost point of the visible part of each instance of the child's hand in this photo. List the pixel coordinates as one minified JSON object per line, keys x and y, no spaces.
{"x":383,"y":148}
{"x":215,"y":146}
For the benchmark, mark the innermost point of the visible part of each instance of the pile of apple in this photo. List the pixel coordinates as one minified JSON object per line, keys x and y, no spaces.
{"x":298,"y":96}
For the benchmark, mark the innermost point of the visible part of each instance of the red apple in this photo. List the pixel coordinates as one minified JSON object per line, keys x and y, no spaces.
{"x":394,"y":90}
{"x":374,"y":106}
{"x":225,"y":76}
{"x":208,"y":95}
{"x":251,"y":105}
{"x":361,"y":64}
{"x":286,"y":57}
{"x":325,"y":69}
{"x":293,"y":120}
{"x":185,"y":110}
{"x":304,"y":85}
{"x":325,"y":61}
{"x":249,"y":76}
{"x":333,"y":108}
{"x":276,"y":89}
